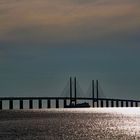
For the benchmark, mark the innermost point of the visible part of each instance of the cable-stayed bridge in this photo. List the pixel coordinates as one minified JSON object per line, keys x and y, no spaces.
{"x":71,"y":96}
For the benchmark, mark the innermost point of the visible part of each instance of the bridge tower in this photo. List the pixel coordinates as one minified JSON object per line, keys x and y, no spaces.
{"x":75,"y":97}
{"x":70,"y":91}
{"x":93,"y":93}
{"x":97,"y":93}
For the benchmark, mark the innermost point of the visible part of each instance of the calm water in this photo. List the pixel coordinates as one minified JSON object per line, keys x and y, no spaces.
{"x":71,"y":124}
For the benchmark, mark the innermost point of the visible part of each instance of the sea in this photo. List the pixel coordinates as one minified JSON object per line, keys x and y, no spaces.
{"x":71,"y":124}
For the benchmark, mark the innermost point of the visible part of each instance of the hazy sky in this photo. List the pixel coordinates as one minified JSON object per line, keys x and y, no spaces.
{"x":43,"y":42}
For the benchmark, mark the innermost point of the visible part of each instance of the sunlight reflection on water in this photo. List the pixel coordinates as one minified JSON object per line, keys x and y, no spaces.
{"x":66,"y":124}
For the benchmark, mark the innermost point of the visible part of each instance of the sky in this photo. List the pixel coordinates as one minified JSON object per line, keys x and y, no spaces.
{"x":44,"y":42}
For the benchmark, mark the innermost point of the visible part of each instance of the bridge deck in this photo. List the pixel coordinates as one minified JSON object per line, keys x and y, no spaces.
{"x":63,"y":98}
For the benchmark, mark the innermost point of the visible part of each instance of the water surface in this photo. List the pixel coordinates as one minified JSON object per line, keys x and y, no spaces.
{"x":70,"y":124}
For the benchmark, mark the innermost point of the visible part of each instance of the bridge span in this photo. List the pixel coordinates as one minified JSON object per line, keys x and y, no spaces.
{"x":100,"y":102}
{"x":94,"y":101}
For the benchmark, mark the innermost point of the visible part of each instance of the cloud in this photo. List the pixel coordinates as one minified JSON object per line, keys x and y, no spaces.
{"x":53,"y":20}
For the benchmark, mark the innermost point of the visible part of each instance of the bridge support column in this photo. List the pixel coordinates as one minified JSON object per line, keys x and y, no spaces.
{"x":93,"y":103}
{"x":117,"y":103}
{"x":107,"y":103}
{"x":57,"y":103}
{"x":21,"y":104}
{"x":122,"y":104}
{"x":102,"y":103}
{"x":30,"y":104}
{"x":65,"y":103}
{"x":10,"y":104}
{"x":112,"y":103}
{"x":97,"y":103}
{"x":0,"y":104}
{"x":127,"y":104}
{"x":131,"y":103}
{"x":49,"y":103}
{"x":39,"y":103}
{"x":136,"y":104}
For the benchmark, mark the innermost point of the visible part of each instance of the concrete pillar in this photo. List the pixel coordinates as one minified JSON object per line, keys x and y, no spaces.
{"x":21,"y":104}
{"x":102,"y":103}
{"x":112,"y":103}
{"x":10,"y":104}
{"x":117,"y":103}
{"x":57,"y":103}
{"x":49,"y":103}
{"x":136,"y":104}
{"x":107,"y":103}
{"x":93,"y":103}
{"x":30,"y":104}
{"x":97,"y":103}
{"x":0,"y":104}
{"x":65,"y":103}
{"x":127,"y":104}
{"x":39,"y":103}
{"x":121,"y":103}
{"x":131,"y":104}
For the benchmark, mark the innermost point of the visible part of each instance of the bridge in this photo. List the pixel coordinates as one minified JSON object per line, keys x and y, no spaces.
{"x":95,"y":100}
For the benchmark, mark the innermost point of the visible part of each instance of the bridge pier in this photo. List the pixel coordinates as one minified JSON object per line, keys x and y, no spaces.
{"x":97,"y":103}
{"x":127,"y":104}
{"x":39,"y":103}
{"x":65,"y":103}
{"x":93,"y":104}
{"x":102,"y":103}
{"x":49,"y":103}
{"x":30,"y":104}
{"x":117,"y":103}
{"x":107,"y":103}
{"x":57,"y":103}
{"x":112,"y":103}
{"x":0,"y":104}
{"x":20,"y":104}
{"x":122,"y":105}
{"x":131,"y":104}
{"x":10,"y":104}
{"x":136,"y":104}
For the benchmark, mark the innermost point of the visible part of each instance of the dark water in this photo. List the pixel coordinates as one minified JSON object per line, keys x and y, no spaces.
{"x":71,"y":124}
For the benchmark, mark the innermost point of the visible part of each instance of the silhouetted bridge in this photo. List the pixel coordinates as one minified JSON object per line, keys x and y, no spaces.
{"x":93,"y":101}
